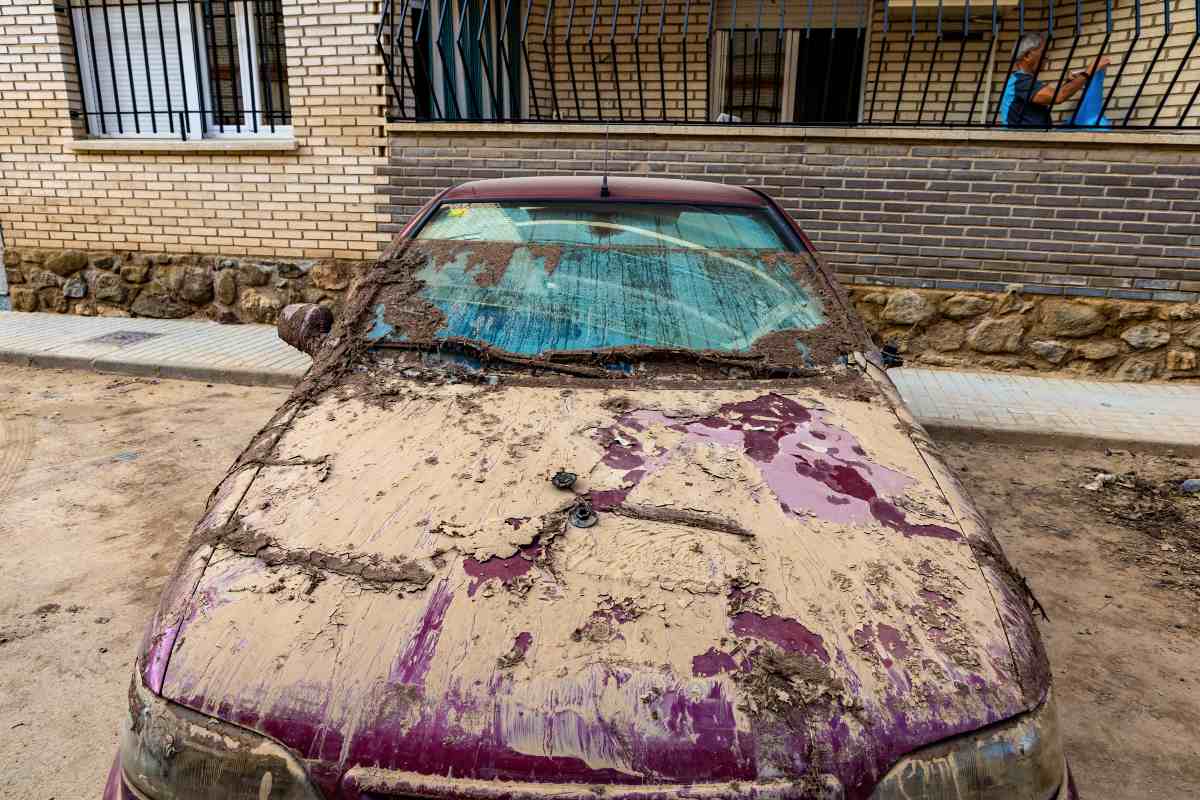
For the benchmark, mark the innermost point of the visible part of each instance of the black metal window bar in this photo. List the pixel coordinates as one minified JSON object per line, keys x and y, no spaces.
{"x":176,"y":68}
{"x":922,"y":63}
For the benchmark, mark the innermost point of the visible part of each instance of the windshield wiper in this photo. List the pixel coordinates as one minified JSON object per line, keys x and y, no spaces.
{"x":566,"y":361}
{"x":485,"y":352}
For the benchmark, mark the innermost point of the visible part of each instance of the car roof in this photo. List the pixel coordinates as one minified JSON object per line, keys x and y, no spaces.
{"x":621,"y":189}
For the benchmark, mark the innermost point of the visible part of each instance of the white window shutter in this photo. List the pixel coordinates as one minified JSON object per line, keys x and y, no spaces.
{"x":717,"y":70}
{"x":131,"y":74}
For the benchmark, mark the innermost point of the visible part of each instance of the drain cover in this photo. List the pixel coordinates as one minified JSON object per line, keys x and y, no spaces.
{"x":123,"y":337}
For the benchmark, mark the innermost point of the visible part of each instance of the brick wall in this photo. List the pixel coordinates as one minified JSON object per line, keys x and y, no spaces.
{"x":1116,"y":221}
{"x":318,"y":201}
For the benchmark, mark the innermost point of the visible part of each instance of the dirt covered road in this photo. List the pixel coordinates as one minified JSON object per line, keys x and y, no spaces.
{"x":101,"y":478}
{"x":1117,"y":569}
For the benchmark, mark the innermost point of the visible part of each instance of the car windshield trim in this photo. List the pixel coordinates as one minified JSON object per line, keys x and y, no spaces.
{"x":779,"y":225}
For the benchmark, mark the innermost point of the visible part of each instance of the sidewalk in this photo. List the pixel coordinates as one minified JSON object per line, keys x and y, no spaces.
{"x":1147,"y":413}
{"x":1158,"y":413}
{"x":245,"y":354}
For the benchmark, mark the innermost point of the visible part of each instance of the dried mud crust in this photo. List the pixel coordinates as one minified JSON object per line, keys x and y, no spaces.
{"x":1164,"y":521}
{"x":370,"y":570}
{"x":486,"y":262}
{"x":397,"y":288}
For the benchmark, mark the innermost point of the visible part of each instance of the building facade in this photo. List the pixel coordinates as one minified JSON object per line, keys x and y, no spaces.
{"x":224,"y":157}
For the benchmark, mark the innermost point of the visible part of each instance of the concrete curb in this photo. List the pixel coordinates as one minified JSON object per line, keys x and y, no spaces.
{"x":116,"y":366}
{"x":240,"y":377}
{"x":1051,"y":409}
{"x":943,"y":431}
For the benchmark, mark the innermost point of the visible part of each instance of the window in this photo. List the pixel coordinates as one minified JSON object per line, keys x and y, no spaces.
{"x":829,"y":77}
{"x":466,"y":59}
{"x":801,"y":75}
{"x":756,"y":75}
{"x":170,"y":68}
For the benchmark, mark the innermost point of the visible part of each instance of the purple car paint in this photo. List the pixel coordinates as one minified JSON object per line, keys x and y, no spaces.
{"x":712,"y":662}
{"x":505,"y":570}
{"x":785,"y":439}
{"x":845,"y":610}
{"x":413,"y":663}
{"x":788,"y":634}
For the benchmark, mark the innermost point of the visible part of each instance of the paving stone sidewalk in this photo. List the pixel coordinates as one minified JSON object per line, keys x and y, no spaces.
{"x":1150,"y":413}
{"x":1157,"y":413}
{"x":245,"y":354}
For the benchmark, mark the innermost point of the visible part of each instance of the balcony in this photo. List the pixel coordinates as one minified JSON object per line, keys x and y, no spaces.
{"x":805,"y":63}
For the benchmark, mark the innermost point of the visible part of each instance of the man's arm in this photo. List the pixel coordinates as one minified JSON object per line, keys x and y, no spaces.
{"x":1046,"y":96}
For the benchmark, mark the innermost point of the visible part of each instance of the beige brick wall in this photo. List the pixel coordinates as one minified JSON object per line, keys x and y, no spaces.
{"x":930,"y":65}
{"x":933,"y":65}
{"x":318,"y":201}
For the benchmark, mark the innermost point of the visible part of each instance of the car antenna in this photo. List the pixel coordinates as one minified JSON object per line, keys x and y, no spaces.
{"x":604,"y":181}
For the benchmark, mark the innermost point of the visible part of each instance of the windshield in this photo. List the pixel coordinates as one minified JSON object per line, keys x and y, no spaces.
{"x":537,"y":278}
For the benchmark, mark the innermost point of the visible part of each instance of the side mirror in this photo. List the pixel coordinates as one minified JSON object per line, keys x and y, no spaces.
{"x":304,"y":326}
{"x":890,"y":355}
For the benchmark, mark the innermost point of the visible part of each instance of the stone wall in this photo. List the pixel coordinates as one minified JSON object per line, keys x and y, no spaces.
{"x":1122,"y":340}
{"x":170,"y":286}
{"x":1015,"y":330}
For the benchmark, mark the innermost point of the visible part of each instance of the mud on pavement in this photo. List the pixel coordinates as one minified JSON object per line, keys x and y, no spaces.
{"x":1118,"y":571}
{"x":101,"y":480}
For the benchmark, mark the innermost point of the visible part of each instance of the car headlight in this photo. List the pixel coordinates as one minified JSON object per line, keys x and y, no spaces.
{"x":1020,"y":759}
{"x":169,"y":752}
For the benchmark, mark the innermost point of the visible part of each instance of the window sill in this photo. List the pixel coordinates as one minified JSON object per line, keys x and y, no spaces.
{"x":247,"y":145}
{"x":890,"y":134}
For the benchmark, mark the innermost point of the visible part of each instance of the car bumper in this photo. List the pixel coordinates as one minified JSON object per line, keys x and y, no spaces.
{"x":116,"y":789}
{"x":1068,"y":790}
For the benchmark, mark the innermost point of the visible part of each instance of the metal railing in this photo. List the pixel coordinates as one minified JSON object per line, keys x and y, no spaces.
{"x":922,"y":63}
{"x":178,"y":68}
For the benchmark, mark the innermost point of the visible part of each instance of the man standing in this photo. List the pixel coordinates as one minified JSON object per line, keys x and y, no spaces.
{"x":1026,"y":102}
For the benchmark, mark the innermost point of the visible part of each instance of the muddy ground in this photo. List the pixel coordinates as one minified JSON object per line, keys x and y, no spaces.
{"x":101,"y":478}
{"x":1118,"y":572}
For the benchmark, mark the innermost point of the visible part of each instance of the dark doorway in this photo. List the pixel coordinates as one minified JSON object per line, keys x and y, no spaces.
{"x":829,"y":77}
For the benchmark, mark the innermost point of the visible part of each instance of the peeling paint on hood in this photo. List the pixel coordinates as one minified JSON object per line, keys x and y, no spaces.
{"x":777,"y":589}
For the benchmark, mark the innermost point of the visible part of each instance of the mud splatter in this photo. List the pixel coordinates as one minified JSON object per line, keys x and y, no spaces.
{"x":517,"y":654}
{"x":687,"y":518}
{"x":373,"y":571}
{"x":602,"y":625}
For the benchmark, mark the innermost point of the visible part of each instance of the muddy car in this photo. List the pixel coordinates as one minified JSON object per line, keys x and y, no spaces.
{"x":596,"y":489}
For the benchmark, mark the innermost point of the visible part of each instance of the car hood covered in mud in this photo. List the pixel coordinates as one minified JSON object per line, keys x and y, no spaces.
{"x":784,"y":591}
